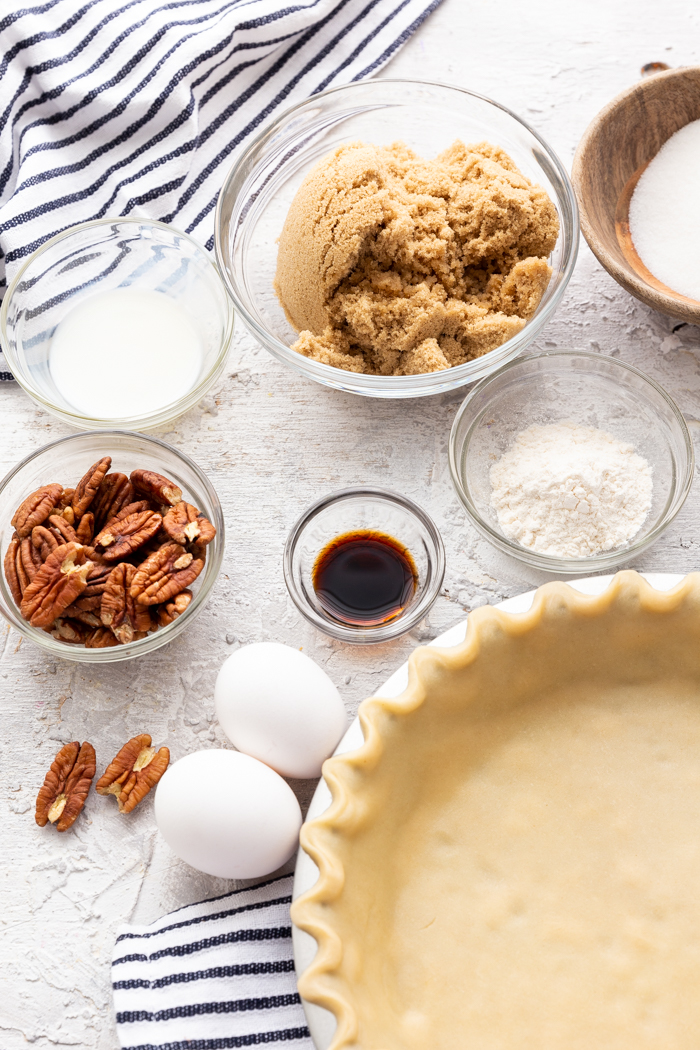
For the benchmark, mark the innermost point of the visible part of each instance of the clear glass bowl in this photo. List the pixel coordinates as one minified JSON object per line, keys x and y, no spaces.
{"x":378,"y":510}
{"x":66,"y":461}
{"x":261,"y":185}
{"x":102,"y":256}
{"x":593,"y":391}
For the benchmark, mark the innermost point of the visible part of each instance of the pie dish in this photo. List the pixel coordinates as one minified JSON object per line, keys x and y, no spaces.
{"x":511,"y":856}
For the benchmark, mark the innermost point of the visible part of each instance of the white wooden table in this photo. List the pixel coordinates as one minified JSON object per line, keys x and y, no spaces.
{"x":272,"y":442}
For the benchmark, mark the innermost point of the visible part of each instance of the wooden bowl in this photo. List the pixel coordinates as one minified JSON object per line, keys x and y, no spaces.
{"x":614,"y":151}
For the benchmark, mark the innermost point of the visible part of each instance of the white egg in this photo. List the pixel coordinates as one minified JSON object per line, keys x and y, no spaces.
{"x":227,"y":814}
{"x":276,"y":704}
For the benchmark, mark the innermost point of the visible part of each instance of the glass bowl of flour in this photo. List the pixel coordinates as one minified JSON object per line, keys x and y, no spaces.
{"x":571,"y":462}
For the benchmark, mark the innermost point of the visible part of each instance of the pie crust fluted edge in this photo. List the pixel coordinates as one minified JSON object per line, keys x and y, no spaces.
{"x":311,"y":911}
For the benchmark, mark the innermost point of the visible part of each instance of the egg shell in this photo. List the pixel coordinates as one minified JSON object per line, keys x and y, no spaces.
{"x":275,"y":703}
{"x":227,"y":814}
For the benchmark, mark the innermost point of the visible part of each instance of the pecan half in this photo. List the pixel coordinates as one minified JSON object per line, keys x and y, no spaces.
{"x":86,"y":528}
{"x":22,"y":574}
{"x":198,"y":551}
{"x":62,"y":530}
{"x":122,"y":538}
{"x":119,"y":610}
{"x":44,"y":541}
{"x":66,"y":499}
{"x":149,"y":548}
{"x":170,"y":611}
{"x":135,"y":770}
{"x":83,"y":604}
{"x":184,"y":524}
{"x":35,"y":509}
{"x":115,"y":493}
{"x":64,"y":508}
{"x":97,"y":560}
{"x":156,"y":487}
{"x":131,"y":508}
{"x":87,"y":487}
{"x":83,"y":616}
{"x":29,"y":558}
{"x":100,"y":638}
{"x":10,"y":565}
{"x":164,"y":574}
{"x":97,"y":580}
{"x":65,"y":629}
{"x":65,"y":788}
{"x":60,"y":580}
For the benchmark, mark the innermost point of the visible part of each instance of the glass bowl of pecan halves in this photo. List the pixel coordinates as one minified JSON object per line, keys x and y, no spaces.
{"x":111,"y":542}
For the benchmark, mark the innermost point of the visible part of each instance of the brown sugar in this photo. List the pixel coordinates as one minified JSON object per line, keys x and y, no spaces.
{"x":390,"y":264}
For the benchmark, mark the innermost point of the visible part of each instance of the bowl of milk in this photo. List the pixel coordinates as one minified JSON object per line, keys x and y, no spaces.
{"x":119,"y":322}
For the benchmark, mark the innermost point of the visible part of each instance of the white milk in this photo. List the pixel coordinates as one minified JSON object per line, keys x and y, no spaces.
{"x":123,"y":353}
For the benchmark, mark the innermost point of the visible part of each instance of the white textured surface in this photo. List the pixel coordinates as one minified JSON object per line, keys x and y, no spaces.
{"x":273,"y":442}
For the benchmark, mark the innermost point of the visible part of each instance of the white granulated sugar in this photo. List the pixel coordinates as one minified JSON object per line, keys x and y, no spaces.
{"x":570,"y":490}
{"x":664,"y":214}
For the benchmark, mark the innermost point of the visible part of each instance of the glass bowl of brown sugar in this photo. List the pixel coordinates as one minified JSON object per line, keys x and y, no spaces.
{"x":261,"y":191}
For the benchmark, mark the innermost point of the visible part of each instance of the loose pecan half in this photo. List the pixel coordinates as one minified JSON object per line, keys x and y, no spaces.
{"x":115,"y":493}
{"x":87,"y":487}
{"x":65,"y":788}
{"x":60,"y":580}
{"x":10,"y":565}
{"x":119,"y":610}
{"x":100,"y":638}
{"x":35,"y":509}
{"x":184,"y":524}
{"x":164,"y":574}
{"x":121,"y":538}
{"x":86,"y":528}
{"x":135,"y":770}
{"x":170,"y":611}
{"x":156,"y":487}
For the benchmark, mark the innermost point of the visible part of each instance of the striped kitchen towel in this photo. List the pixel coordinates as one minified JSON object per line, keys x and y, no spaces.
{"x":211,"y":975}
{"x":137,"y":107}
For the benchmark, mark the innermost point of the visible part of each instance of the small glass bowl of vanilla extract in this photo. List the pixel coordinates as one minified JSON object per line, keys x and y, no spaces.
{"x":364,"y":564}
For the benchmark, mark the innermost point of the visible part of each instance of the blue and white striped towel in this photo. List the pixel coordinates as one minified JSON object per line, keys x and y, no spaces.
{"x":137,"y":107}
{"x":212,"y":975}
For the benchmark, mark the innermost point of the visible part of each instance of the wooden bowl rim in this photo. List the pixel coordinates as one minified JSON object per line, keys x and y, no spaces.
{"x":629,"y":280}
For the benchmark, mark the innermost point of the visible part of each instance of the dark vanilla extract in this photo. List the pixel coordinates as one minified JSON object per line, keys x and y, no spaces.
{"x":364,"y":578}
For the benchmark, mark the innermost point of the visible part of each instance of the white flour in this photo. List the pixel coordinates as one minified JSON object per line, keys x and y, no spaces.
{"x":570,"y":491}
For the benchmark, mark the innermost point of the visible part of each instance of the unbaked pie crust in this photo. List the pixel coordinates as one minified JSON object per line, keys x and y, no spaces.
{"x":511,"y":861}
